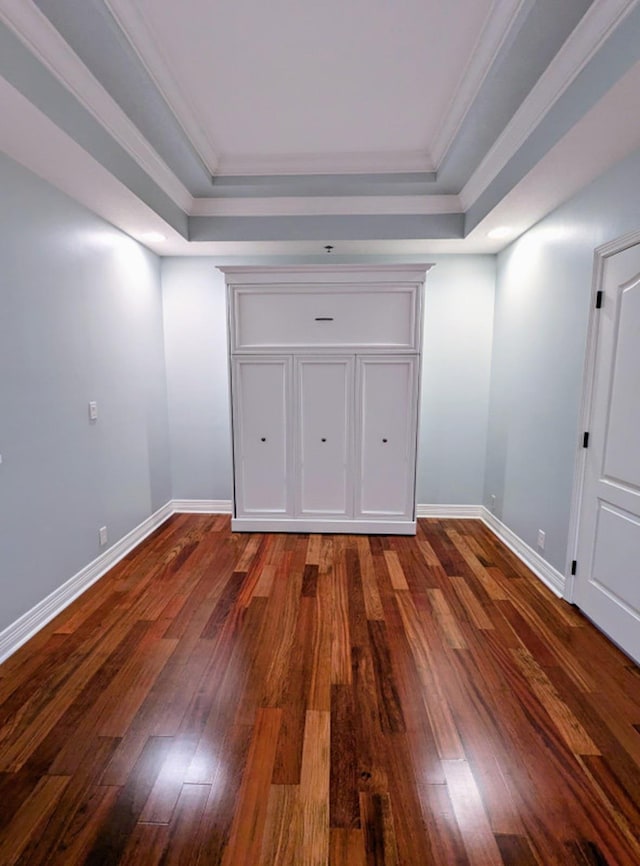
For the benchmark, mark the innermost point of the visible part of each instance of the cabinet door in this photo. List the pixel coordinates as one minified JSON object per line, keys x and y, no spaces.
{"x":324,"y":439}
{"x":262,"y":437}
{"x":387,"y":417}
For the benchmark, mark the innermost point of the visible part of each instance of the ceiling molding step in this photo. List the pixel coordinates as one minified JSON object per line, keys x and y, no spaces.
{"x":501,"y":18}
{"x":320,"y":185}
{"x":392,"y":162}
{"x":603,"y":137}
{"x":41,"y":38}
{"x":34,"y":141}
{"x":139,"y":36}
{"x":327,"y":229}
{"x":327,"y":205}
{"x":598,"y":23}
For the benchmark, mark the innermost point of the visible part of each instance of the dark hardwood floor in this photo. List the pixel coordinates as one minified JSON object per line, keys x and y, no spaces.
{"x":289,"y":699}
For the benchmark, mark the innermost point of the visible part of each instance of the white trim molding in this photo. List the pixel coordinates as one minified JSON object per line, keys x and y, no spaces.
{"x":47,"y":45}
{"x":44,"y":611}
{"x":26,"y":626}
{"x":600,"y":20}
{"x":500,"y":20}
{"x":326,"y":205}
{"x":539,"y":566}
{"x":139,"y":35}
{"x":455,"y":512}
{"x":550,"y":576}
{"x":201,"y":506}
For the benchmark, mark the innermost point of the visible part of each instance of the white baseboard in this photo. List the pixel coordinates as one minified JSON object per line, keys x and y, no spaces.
{"x":33,"y":620}
{"x":44,"y":611}
{"x":531,"y":558}
{"x":201,"y":506}
{"x":458,"y":512}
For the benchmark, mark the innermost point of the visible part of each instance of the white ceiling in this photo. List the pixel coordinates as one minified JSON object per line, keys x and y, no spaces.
{"x":390,"y":127}
{"x":272,"y":81}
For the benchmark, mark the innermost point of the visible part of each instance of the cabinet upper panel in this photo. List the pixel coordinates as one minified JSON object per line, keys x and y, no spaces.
{"x":377,"y":317}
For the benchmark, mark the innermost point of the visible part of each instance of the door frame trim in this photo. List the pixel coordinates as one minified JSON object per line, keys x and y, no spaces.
{"x":601,"y":254}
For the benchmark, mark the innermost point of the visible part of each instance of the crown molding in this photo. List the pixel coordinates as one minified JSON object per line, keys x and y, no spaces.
{"x":600,"y":20}
{"x":33,"y":140}
{"x":500,"y":20}
{"x":327,"y":205}
{"x":390,"y":162}
{"x":47,"y":45}
{"x":140,"y":37}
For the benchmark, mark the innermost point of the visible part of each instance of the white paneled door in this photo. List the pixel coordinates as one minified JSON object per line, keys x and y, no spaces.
{"x":325,"y":394}
{"x":608,"y":560}
{"x":262,"y":436}
{"x":386,"y":437}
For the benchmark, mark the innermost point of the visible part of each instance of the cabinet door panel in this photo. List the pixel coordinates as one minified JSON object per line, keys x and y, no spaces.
{"x":381,"y":318}
{"x":324,"y":389}
{"x":387,"y":409}
{"x":261,"y":389}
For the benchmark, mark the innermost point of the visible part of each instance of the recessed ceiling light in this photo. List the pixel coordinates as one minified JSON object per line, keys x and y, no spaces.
{"x":502,"y":233}
{"x":152,"y":237}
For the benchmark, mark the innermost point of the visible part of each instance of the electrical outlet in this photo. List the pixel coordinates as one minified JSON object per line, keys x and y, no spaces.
{"x":93,"y":411}
{"x":541,"y":538}
{"x":102,"y":535}
{"x":493,"y":503}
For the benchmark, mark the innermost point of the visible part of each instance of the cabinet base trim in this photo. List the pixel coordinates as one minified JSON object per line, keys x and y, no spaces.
{"x":350,"y":527}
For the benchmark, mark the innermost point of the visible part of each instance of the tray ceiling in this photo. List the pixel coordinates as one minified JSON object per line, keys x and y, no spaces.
{"x":316,"y":80}
{"x":405,"y":125}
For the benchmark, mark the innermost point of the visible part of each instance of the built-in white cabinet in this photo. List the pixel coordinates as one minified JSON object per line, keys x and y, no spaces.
{"x":325,"y":369}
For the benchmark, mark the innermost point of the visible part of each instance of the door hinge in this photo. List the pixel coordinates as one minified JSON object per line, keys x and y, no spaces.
{"x":585,"y":440}
{"x":599,"y":299}
{"x":574,"y":566}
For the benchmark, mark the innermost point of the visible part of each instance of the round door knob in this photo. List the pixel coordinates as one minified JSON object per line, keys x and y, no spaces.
{"x":385,"y":440}
{"x":263,"y":438}
{"x":323,"y":439}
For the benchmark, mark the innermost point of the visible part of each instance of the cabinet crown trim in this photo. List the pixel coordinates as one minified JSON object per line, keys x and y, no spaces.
{"x":256,"y":274}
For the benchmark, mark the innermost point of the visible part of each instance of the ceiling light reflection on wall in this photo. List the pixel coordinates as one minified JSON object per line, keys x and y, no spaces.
{"x":502,"y":233}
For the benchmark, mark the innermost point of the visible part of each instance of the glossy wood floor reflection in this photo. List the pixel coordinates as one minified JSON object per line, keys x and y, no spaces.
{"x":249,"y":700}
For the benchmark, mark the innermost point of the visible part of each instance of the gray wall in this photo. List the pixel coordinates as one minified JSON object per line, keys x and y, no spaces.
{"x":455,"y":383}
{"x":80,"y":320}
{"x":543,"y":298}
{"x":456,"y":368}
{"x":195,"y":323}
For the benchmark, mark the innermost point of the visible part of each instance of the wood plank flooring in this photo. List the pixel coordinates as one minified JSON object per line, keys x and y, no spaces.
{"x":253,"y":700}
